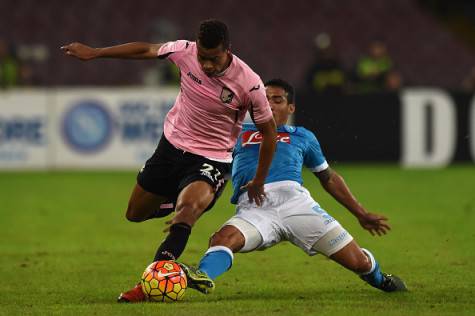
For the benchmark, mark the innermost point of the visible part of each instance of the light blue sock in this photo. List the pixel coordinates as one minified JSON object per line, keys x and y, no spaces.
{"x":216,"y":261}
{"x":374,"y":277}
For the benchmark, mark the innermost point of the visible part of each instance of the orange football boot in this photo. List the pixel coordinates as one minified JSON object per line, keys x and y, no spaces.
{"x":134,"y":295}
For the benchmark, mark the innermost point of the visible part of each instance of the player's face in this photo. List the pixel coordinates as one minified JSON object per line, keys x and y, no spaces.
{"x":214,"y":60}
{"x":281,"y":108}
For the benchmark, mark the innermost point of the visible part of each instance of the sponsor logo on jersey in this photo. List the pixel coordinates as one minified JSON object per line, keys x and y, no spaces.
{"x":255,"y":137}
{"x":193,"y":77}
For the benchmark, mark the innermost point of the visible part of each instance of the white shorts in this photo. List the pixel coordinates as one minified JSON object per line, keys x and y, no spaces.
{"x":290,"y":213}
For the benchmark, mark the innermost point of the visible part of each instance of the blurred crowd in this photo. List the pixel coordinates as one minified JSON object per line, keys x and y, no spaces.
{"x":10,"y":70}
{"x":15,"y":65}
{"x":373,"y":72}
{"x":357,"y":49}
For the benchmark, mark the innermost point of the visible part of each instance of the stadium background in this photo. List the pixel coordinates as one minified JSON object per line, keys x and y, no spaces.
{"x":62,"y":229}
{"x":49,"y":119}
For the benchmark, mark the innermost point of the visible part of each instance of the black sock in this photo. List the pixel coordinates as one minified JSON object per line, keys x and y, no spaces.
{"x":173,"y":246}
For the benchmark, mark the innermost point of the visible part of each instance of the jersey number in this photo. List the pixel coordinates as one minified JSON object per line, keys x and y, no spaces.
{"x":210,"y":171}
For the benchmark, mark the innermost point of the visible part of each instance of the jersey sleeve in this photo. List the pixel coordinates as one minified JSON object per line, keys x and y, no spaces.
{"x":173,"y":51}
{"x":313,"y":157}
{"x":260,"y":109}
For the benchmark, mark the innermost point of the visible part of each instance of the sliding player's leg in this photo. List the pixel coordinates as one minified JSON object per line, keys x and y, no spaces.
{"x":339,"y":247}
{"x":237,"y":235}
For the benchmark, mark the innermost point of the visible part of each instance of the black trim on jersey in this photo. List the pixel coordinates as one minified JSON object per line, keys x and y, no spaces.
{"x":165,"y":55}
{"x":255,"y":88}
{"x":251,"y":113}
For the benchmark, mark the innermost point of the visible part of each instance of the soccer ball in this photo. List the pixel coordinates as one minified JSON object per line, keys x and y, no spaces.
{"x":164,"y":281}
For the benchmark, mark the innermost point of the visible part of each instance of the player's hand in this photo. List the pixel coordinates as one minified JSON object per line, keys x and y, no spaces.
{"x":374,"y":223}
{"x":80,"y":51}
{"x":255,"y":192}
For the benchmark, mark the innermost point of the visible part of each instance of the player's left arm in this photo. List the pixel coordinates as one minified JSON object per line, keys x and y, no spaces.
{"x":336,"y":186}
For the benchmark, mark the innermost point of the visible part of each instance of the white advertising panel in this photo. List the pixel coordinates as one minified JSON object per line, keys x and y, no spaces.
{"x":109,"y":128}
{"x":24,"y":129}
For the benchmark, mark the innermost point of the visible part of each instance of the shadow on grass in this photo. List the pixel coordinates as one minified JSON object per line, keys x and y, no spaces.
{"x":318,"y":296}
{"x":315,"y":295}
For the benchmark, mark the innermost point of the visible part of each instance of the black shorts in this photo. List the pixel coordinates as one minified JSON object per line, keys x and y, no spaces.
{"x":170,"y":169}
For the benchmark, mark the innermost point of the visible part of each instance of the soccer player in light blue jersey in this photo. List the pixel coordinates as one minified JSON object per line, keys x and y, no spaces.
{"x":288,"y":211}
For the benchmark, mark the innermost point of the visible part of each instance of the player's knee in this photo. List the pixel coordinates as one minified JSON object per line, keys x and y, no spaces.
{"x":218,"y":239}
{"x":228,"y":238}
{"x":132,"y":215}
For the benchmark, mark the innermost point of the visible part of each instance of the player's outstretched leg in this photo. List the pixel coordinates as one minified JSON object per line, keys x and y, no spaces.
{"x":380,"y":280}
{"x":362,"y":262}
{"x":198,"y":279}
{"x":217,"y":260}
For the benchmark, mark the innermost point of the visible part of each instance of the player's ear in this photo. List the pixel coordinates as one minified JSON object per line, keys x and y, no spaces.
{"x":291,"y":108}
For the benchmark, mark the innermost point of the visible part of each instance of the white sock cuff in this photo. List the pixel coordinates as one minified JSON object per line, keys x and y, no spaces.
{"x":221,"y":248}
{"x":371,"y":258}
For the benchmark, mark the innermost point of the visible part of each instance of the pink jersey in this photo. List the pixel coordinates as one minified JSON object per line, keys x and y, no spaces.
{"x":208,"y":112}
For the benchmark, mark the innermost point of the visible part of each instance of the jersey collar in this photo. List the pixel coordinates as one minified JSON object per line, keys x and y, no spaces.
{"x":286,"y":128}
{"x":227,"y":70}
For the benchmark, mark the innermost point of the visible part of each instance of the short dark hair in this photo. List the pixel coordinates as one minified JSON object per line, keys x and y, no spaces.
{"x":213,"y":33}
{"x":284,"y":85}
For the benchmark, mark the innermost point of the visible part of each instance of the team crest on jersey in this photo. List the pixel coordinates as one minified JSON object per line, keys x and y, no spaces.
{"x":226,"y":95}
{"x":255,"y":137}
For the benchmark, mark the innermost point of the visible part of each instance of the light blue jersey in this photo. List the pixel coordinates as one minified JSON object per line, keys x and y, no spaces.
{"x":296,"y":146}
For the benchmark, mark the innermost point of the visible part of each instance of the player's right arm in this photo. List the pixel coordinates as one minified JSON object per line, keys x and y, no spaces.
{"x":261,"y":115}
{"x":255,"y":187}
{"x":134,"y":50}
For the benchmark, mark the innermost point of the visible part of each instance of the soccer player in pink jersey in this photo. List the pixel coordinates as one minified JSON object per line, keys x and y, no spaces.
{"x":193,"y":157}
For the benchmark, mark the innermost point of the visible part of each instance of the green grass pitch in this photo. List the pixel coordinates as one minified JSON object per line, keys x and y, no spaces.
{"x":66,"y":249}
